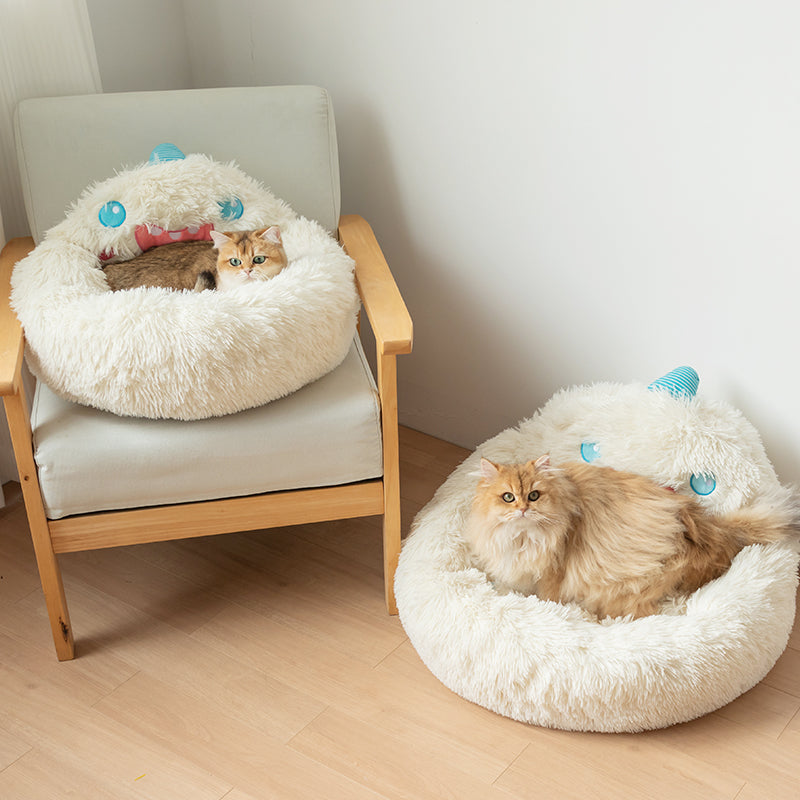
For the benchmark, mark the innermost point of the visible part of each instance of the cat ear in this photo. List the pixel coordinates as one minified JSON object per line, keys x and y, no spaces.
{"x":543,"y":462}
{"x":488,"y":469}
{"x":219,"y":239}
{"x":272,"y":234}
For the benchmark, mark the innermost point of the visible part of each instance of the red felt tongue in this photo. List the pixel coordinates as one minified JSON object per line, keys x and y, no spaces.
{"x":153,"y":236}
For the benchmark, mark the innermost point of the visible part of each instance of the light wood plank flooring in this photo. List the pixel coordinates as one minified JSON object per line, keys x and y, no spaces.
{"x":264,"y":665}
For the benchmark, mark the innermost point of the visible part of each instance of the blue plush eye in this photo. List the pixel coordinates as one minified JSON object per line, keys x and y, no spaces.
{"x":112,"y":214}
{"x":590,"y":451}
{"x":702,"y":484}
{"x":231,"y":208}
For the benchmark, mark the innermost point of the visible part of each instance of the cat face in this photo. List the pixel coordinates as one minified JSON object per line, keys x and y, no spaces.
{"x":248,"y":256}
{"x":519,"y":521}
{"x":516,"y":493}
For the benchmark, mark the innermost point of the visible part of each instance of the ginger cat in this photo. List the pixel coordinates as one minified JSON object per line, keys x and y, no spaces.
{"x":240,"y":257}
{"x":614,"y":542}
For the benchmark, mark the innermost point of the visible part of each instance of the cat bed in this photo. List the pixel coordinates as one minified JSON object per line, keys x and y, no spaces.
{"x":156,"y":353}
{"x":553,"y":664}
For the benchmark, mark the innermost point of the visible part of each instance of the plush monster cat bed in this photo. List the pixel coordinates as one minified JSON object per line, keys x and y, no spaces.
{"x":183,"y":355}
{"x":555,"y":665}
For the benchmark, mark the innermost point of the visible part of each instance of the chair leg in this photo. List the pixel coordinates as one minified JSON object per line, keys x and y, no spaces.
{"x":49,"y":571}
{"x":391,"y":552}
{"x":53,"y":588}
{"x":387,"y":382}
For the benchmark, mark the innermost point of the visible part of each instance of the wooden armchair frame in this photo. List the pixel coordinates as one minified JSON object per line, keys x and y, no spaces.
{"x":392,"y":327}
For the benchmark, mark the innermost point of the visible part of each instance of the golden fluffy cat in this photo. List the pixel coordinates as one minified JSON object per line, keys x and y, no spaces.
{"x":240,"y":256}
{"x":614,"y":542}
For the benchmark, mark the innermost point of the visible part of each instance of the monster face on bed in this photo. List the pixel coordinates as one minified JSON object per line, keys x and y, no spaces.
{"x":663,"y":431}
{"x":153,"y":204}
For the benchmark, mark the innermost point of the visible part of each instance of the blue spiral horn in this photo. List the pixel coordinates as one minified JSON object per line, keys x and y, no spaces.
{"x":680,"y":382}
{"x":166,"y":152}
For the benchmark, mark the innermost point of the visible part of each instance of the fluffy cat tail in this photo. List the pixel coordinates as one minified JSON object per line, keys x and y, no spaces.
{"x":718,"y":539}
{"x":773,"y":519}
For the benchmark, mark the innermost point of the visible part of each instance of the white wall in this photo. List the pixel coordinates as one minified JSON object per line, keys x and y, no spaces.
{"x":567,"y":191}
{"x":140,"y":45}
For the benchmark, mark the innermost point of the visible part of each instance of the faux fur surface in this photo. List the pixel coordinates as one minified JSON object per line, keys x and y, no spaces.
{"x":162,"y":354}
{"x":556,"y":666}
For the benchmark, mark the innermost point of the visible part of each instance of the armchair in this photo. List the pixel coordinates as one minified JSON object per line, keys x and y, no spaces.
{"x":341,"y":431}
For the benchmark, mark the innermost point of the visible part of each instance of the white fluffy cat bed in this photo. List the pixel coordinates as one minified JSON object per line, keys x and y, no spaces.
{"x":556,"y":666}
{"x":182,"y":355}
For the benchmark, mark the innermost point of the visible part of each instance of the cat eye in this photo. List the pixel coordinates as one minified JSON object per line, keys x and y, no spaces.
{"x":533,"y":496}
{"x":236,"y":262}
{"x":259,"y":259}
{"x":507,"y":497}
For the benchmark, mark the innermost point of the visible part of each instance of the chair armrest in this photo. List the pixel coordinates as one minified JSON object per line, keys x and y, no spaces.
{"x":12,"y":342}
{"x":387,"y":313}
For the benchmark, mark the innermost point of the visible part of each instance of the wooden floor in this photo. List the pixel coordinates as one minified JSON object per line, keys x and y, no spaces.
{"x":264,"y":665}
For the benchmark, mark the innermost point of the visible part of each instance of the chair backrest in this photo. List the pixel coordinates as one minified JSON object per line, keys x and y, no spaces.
{"x":284,"y":136}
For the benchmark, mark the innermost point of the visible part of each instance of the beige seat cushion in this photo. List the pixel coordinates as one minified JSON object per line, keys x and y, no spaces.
{"x":327,"y":433}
